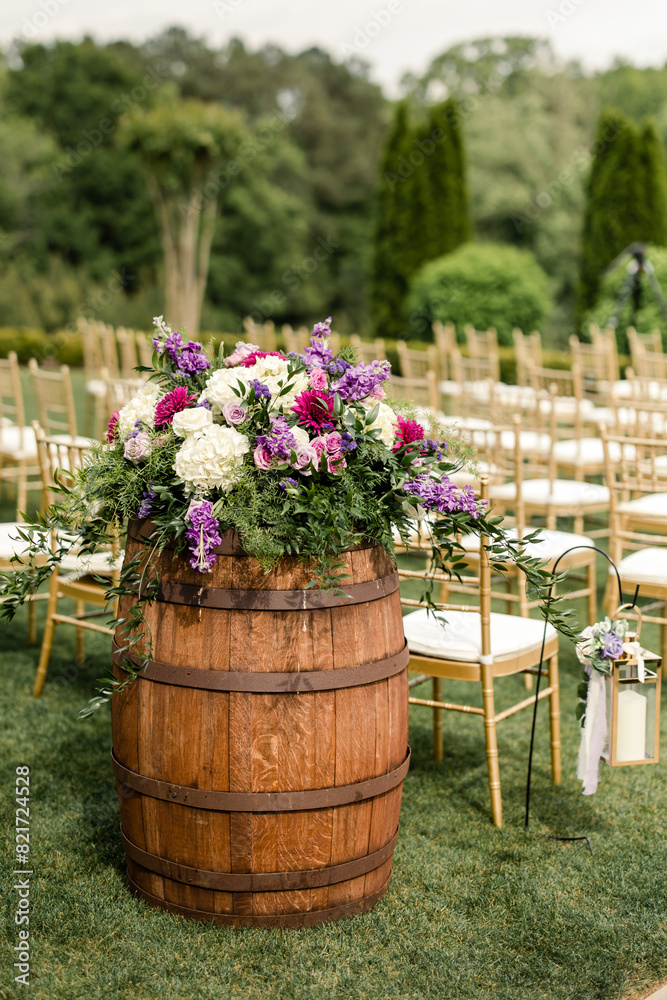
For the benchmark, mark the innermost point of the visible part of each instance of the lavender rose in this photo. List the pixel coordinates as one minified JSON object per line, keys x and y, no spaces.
{"x":613,"y":645}
{"x":307,"y":459}
{"x":234,"y":413}
{"x":137,"y":449}
{"x":262,"y":458}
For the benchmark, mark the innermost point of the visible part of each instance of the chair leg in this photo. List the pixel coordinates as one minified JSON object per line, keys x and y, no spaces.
{"x":22,"y":487}
{"x":47,"y":643}
{"x":32,"y":623}
{"x":663,"y":640}
{"x":579,"y":524}
{"x":554,"y":719}
{"x":437,"y":722}
{"x":491,"y":744}
{"x":80,"y":635}
{"x":592,"y":597}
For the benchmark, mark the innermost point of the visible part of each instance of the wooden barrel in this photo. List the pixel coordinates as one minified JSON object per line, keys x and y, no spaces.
{"x":260,"y":758}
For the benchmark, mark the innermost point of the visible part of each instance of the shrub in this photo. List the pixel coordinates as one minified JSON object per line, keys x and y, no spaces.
{"x":649,"y":317}
{"x":28,"y":343}
{"x":484,"y":284}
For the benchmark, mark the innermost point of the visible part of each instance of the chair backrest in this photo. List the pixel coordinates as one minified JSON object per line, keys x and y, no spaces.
{"x":477,"y":585}
{"x":641,"y":345}
{"x":109,"y":349}
{"x":127,"y":346}
{"x":58,"y":462}
{"x":92,"y":349}
{"x":567,"y":383}
{"x":11,"y":394}
{"x":445,"y":341}
{"x":646,"y":388}
{"x":592,"y":360}
{"x":605,"y":340}
{"x":636,"y":468}
{"x":527,"y":351}
{"x":367,"y":350}
{"x":296,"y":341}
{"x":121,"y":390}
{"x":262,"y":334}
{"x":144,"y":349}
{"x":415,"y":363}
{"x":55,"y":401}
{"x":483,"y":345}
{"x":422,"y":392}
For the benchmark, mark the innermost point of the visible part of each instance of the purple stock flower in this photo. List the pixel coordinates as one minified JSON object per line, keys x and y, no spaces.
{"x":317,"y":355}
{"x":613,"y":645}
{"x":146,"y":503}
{"x":288,"y":482}
{"x":191,"y":359}
{"x":347,"y":443}
{"x":444,"y":496}
{"x":172,"y":345}
{"x":358,"y":382}
{"x":337,"y":367}
{"x":205,"y":403}
{"x":279,"y":443}
{"x":203,"y":534}
{"x":261,"y":391}
{"x":322,"y":329}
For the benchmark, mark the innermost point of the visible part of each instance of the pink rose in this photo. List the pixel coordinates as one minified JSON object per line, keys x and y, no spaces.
{"x":378,"y":393}
{"x":318,"y":379}
{"x":262,"y":458}
{"x":333,"y":442}
{"x":305,"y":457}
{"x":241,"y":351}
{"x":336,"y":463}
{"x":234,"y":413}
{"x":319,"y":444}
{"x":137,"y":449}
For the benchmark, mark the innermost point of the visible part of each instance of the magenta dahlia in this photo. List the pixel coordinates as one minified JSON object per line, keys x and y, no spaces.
{"x":175,"y":401}
{"x":407,"y":432}
{"x":315,"y":409}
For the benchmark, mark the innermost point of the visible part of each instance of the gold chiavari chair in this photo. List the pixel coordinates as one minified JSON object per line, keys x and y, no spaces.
{"x":483,"y":345}
{"x":55,"y":403}
{"x":74,"y":577}
{"x":478,"y":645}
{"x":18,"y":448}
{"x":527,"y":352}
{"x":415,"y":363}
{"x":264,"y":334}
{"x":368,"y":351}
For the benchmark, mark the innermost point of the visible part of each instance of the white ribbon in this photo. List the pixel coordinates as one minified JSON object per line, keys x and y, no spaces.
{"x":634,"y":650}
{"x":593,"y":734}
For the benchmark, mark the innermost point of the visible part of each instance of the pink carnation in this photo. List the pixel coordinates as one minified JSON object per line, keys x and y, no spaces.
{"x":318,"y":379}
{"x":175,"y":401}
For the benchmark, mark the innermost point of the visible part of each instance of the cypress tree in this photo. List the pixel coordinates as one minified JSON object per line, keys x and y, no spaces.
{"x":626,"y":198}
{"x":423,"y":209}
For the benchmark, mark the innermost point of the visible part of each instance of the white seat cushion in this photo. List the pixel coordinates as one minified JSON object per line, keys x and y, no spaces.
{"x":549,"y":546}
{"x":530,"y":441}
{"x":10,"y":543}
{"x":467,"y":423}
{"x":76,"y":442}
{"x":651,"y":505}
{"x":448,"y":388}
{"x":590,"y":451}
{"x":18,"y":442}
{"x":564,"y":493}
{"x":96,"y":387}
{"x":461,"y":638}
{"x":644,"y":566}
{"x":99,"y":563}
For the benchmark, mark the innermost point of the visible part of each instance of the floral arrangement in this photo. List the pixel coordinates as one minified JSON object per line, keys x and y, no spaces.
{"x":301,"y":454}
{"x":604,"y":642}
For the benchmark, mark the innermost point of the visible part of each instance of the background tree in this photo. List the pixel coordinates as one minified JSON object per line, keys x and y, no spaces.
{"x":185,"y":147}
{"x":626,"y":198}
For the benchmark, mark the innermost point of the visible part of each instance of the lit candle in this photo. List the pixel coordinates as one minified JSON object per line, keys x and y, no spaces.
{"x":631,"y":726}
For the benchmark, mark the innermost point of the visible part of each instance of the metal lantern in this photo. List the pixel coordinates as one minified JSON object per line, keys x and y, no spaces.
{"x":633,"y":701}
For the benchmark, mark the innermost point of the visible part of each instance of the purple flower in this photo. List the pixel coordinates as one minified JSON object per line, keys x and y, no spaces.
{"x":359,"y":382}
{"x":322,"y":329}
{"x":191,"y":358}
{"x":284,"y":483}
{"x":613,"y":645}
{"x":203,"y":534}
{"x":337,"y":367}
{"x":205,"y":403}
{"x":172,"y":345}
{"x":276,"y":446}
{"x":146,"y":503}
{"x":444,"y":496}
{"x":261,"y":390}
{"x":347,"y":442}
{"x":317,"y":355}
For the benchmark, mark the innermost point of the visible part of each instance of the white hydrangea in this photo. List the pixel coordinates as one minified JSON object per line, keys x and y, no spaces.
{"x":386,"y":421}
{"x":141,"y":407}
{"x":191,"y":420}
{"x":219,"y":389}
{"x":270,"y":372}
{"x":211,"y":458}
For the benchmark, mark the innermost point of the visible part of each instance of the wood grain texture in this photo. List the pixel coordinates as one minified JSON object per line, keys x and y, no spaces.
{"x":262,"y":743}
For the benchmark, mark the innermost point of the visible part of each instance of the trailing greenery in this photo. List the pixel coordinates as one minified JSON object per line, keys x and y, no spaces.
{"x":484,"y":284}
{"x":626,"y":198}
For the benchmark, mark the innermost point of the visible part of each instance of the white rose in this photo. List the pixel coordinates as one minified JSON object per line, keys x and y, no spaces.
{"x":141,"y":407}
{"x":188,"y":421}
{"x":221,"y":386}
{"x":300,"y":435}
{"x":211,"y":458}
{"x":272,"y":372}
{"x":385,"y":421}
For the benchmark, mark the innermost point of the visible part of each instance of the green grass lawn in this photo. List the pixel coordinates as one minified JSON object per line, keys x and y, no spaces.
{"x":472,"y":912}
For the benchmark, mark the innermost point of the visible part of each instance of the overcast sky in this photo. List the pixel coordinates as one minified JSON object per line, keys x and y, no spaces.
{"x":393,"y":35}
